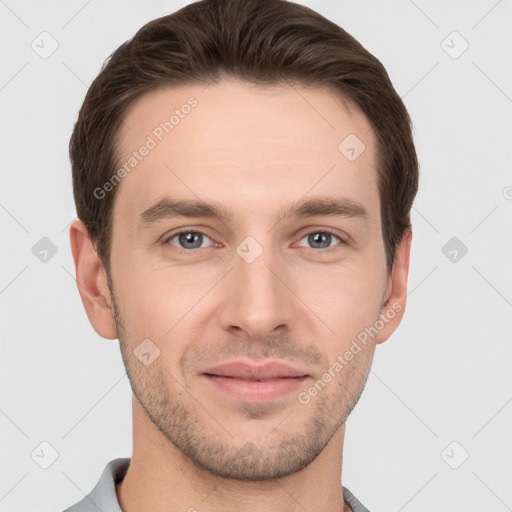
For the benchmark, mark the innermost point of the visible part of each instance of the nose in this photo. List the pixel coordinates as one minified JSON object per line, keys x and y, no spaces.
{"x":257,"y":302}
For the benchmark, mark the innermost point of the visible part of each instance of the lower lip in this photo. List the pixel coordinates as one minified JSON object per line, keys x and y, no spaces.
{"x":256,"y":390}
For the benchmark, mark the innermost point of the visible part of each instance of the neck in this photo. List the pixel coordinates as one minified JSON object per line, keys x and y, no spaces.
{"x":162,"y":479}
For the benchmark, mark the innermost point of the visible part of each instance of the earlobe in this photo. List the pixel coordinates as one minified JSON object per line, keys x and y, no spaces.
{"x":394,"y":299}
{"x":91,"y":279}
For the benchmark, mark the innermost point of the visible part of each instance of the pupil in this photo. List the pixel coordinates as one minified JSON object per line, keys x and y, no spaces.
{"x":188,"y":238}
{"x":317,"y":238}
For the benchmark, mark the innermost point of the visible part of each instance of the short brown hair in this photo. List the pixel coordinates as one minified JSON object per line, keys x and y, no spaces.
{"x":263,"y":42}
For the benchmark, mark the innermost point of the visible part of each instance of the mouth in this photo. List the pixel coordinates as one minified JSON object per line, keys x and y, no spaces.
{"x":255,"y":383}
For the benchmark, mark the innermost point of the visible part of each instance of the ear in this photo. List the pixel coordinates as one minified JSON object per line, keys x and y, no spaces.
{"x":91,"y":279}
{"x":394,"y":300}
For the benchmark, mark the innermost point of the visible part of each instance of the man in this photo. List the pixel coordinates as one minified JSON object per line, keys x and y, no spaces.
{"x":243,"y":172}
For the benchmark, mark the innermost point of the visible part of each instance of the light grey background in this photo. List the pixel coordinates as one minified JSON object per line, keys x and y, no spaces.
{"x":444,"y":376}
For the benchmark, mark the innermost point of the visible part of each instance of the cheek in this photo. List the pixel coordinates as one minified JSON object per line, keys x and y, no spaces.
{"x":158,"y":302}
{"x":346,"y":299}
{"x":166,"y":305}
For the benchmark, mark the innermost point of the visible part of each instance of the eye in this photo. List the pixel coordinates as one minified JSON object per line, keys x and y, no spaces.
{"x":188,"y":239}
{"x":321,"y":240}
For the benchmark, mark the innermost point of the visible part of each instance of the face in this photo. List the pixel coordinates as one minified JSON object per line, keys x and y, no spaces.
{"x":286,"y":264}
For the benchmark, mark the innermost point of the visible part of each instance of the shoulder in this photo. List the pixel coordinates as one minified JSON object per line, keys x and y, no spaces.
{"x":103,"y":497}
{"x":354,"y":503}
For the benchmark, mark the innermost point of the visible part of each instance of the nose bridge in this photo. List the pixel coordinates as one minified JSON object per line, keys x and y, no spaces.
{"x":256,"y":301}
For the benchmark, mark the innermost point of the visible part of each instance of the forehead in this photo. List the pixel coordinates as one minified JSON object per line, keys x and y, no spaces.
{"x":242,"y":145}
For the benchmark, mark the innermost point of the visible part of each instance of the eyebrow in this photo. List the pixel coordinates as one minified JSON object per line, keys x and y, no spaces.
{"x":168,"y":208}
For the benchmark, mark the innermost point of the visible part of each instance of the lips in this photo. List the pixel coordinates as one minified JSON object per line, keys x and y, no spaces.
{"x":250,"y":372}
{"x":255,"y":383}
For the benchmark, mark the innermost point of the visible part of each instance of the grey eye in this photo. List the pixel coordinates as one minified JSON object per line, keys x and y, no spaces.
{"x":189,"y":239}
{"x":320,"y":239}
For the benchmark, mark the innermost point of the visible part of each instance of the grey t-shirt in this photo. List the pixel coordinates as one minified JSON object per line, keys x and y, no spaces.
{"x":103,"y":497}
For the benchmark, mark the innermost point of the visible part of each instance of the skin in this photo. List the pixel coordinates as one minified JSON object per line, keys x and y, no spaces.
{"x":253,"y":151}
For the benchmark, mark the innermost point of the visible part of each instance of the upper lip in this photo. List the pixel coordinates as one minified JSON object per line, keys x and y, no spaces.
{"x":243,"y":370}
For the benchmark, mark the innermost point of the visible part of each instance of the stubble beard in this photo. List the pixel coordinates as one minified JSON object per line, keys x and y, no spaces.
{"x":182,"y":418}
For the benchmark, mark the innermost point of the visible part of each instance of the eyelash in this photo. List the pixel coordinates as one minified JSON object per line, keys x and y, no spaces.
{"x":327,"y":250}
